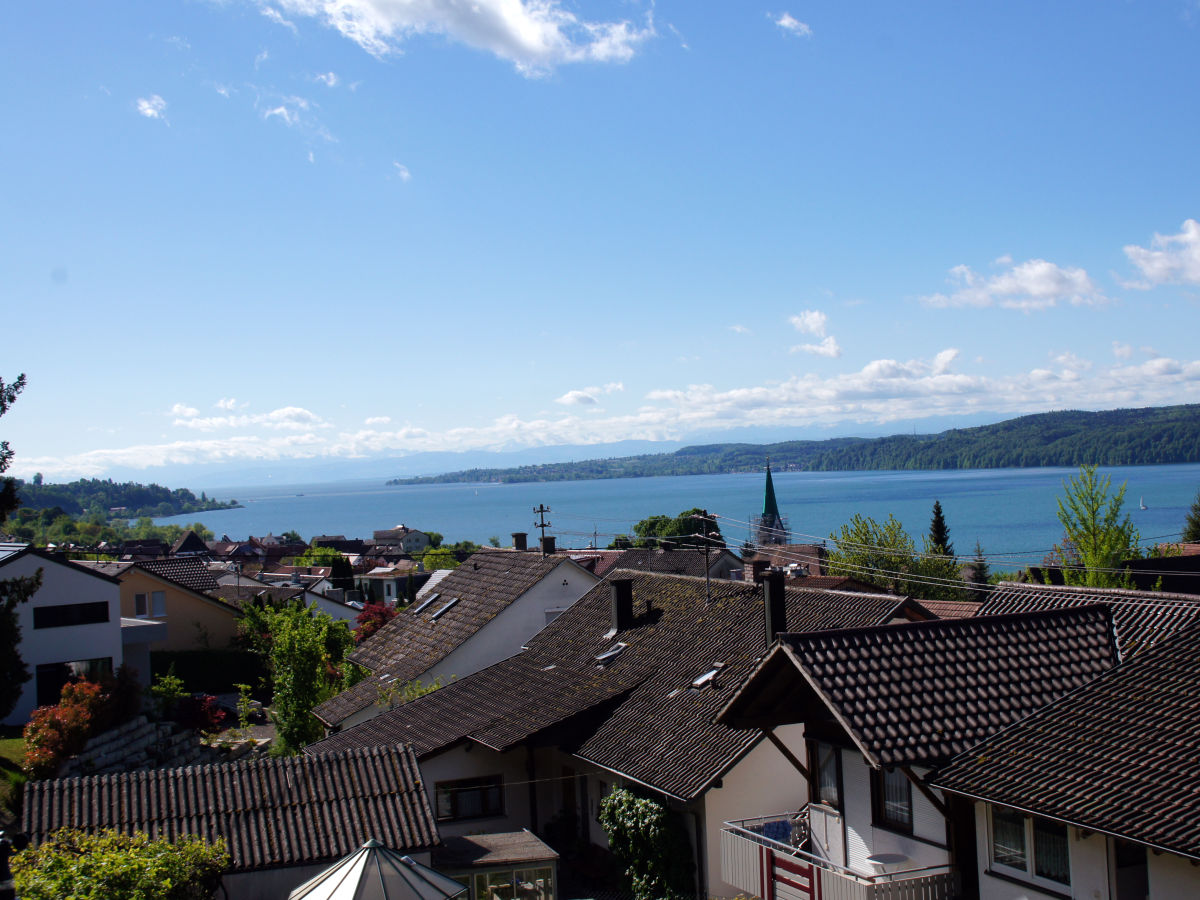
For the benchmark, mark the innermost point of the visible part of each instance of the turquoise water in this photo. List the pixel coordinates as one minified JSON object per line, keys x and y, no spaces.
{"x":1010,"y":511}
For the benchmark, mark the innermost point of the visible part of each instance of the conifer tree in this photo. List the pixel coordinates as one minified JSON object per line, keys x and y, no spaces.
{"x":980,"y":572}
{"x":939,"y":534}
{"x":1191,"y":528}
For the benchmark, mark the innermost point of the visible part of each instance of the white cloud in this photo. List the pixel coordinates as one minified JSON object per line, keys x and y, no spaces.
{"x":811,"y":321}
{"x":402,"y":171}
{"x":152,"y":107}
{"x":378,"y":420}
{"x":277,"y":17}
{"x":792,"y":25}
{"x":828,"y":347}
{"x":286,"y":418}
{"x":329,"y":79}
{"x":1069,"y":361}
{"x":1031,"y":285}
{"x":739,"y":329}
{"x":223,"y":90}
{"x":535,"y":35}
{"x":589,"y":396}
{"x":223,"y":403}
{"x":290,"y":110}
{"x":1121,"y":351}
{"x":181,"y":409}
{"x":1170,"y":259}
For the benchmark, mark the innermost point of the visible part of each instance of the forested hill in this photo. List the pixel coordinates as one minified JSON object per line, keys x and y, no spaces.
{"x":1163,"y":434}
{"x":129,"y":500}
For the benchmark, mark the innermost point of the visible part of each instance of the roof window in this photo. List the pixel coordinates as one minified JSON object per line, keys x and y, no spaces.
{"x":611,"y":653}
{"x":708,"y":679}
{"x":449,"y":604}
{"x":425,"y":603}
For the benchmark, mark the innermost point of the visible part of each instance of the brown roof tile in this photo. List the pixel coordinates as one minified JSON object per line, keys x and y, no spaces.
{"x":187,"y":571}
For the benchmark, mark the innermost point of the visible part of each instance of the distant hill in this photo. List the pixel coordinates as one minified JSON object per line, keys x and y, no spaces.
{"x":1119,"y":437}
{"x":128,"y":500}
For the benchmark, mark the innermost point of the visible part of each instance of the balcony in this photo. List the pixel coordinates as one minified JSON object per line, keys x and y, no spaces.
{"x":769,"y":857}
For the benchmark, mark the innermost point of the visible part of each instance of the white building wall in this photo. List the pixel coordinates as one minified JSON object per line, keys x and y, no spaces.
{"x":62,"y":584}
{"x":925,"y":847}
{"x":1172,"y":877}
{"x":477,"y":761}
{"x":762,"y":783}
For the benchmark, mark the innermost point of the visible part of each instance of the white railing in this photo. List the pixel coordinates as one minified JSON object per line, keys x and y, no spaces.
{"x":764,"y":856}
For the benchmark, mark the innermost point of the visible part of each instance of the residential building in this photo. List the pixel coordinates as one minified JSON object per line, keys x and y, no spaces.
{"x":619,"y":690}
{"x":478,"y":614}
{"x":409,"y":540}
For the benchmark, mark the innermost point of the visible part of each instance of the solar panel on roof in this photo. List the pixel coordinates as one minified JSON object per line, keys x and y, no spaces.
{"x":449,"y":604}
{"x":426,"y":602}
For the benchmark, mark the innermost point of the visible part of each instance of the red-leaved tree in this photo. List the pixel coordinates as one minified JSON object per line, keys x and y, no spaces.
{"x":373,"y":617}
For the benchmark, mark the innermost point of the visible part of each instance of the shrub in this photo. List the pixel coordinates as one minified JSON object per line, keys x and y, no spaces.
{"x":652,"y":843}
{"x":56,"y":733}
{"x":373,"y":617}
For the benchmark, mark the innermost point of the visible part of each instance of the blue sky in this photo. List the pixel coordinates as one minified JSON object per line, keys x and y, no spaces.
{"x":302,"y":229}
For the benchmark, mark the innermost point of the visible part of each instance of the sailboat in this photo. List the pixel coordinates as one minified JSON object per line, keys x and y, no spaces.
{"x":1142,"y":502}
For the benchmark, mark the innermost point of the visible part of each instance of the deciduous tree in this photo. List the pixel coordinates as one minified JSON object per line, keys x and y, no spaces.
{"x":1097,"y":536}
{"x":1191,"y":528}
{"x":885,"y":554}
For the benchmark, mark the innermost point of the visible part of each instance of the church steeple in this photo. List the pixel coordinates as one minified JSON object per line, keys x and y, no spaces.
{"x":772,"y":529}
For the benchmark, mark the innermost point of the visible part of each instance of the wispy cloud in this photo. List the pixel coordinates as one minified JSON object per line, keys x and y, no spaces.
{"x":1170,"y":258}
{"x":182,"y":409}
{"x":828,"y":347}
{"x":589,"y":396}
{"x":791,"y":25}
{"x":287,"y":418}
{"x":810,"y":321}
{"x":1032,"y":285}
{"x":277,"y":17}
{"x":223,"y":403}
{"x":152,"y":107}
{"x":534,"y":35}
{"x":739,"y":329}
{"x":261,"y":58}
{"x":329,"y":79}
{"x":402,"y":171}
{"x":1121,"y":351}
{"x":377,"y":420}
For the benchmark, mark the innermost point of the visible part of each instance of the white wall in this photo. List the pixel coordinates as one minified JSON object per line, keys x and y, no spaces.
{"x":478,"y":761}
{"x":62,"y":583}
{"x":1089,"y":867}
{"x":761,"y":784}
{"x":1172,"y":877}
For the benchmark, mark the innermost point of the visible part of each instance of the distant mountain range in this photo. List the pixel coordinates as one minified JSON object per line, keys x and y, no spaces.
{"x":1120,"y":437}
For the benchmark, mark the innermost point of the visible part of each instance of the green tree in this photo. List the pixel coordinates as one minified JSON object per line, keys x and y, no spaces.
{"x":980,"y":572}
{"x":688,"y":529}
{"x":291,"y":536}
{"x":439,"y":558}
{"x":885,"y":554}
{"x":13,"y":671}
{"x":652,"y":843}
{"x":939,"y":534}
{"x":1191,"y":528}
{"x":1097,"y":537}
{"x":341,"y":573}
{"x":109,"y":864}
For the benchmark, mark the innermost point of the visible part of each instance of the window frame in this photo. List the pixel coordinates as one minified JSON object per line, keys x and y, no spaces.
{"x":1029,"y":872}
{"x":455,"y":792}
{"x":816,"y":748}
{"x":880,"y":816}
{"x":158,"y":601}
{"x":141,"y":605}
{"x":69,"y":615}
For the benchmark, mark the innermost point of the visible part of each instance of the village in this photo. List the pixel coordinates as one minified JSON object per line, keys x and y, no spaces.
{"x":673,"y":720}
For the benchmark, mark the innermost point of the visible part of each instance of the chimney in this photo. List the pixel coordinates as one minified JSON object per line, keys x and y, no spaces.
{"x":775,"y":606}
{"x":548,"y":545}
{"x":520,"y":540}
{"x":758,"y":569}
{"x":622,"y":604}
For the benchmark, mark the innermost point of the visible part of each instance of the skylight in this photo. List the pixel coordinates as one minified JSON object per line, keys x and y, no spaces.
{"x":425,"y":603}
{"x":611,"y":653}
{"x":705,"y":679}
{"x":449,"y":604}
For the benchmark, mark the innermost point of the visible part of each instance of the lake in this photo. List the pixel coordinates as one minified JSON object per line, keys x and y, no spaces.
{"x":1011,"y":512}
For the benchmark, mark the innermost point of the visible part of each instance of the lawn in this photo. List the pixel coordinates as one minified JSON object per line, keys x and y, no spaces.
{"x":12,"y":753}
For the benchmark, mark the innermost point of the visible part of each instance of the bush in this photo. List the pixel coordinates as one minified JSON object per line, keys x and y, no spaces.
{"x":373,"y":617}
{"x":652,"y":843}
{"x":56,"y":733}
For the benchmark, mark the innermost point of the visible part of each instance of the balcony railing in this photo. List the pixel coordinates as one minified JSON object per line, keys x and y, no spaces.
{"x":768,"y":857}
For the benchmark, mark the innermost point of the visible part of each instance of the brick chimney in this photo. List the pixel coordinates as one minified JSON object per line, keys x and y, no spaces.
{"x":520,"y":540}
{"x":775,"y":605}
{"x":548,"y":545}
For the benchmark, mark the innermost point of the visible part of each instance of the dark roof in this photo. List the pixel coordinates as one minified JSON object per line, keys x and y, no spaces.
{"x":1139,"y":617}
{"x":952,"y":609}
{"x":1119,"y":755}
{"x":639,"y":714}
{"x":477,"y":851}
{"x":271,"y":812}
{"x":918,"y":693}
{"x":187,"y":571}
{"x":189,"y":542}
{"x":246,"y":592}
{"x":413,"y":643}
{"x":668,"y":562}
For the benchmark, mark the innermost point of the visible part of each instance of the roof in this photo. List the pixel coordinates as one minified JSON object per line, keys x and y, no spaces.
{"x":271,"y":812}
{"x":921,"y":692}
{"x":188,"y":571}
{"x":478,"y":851}
{"x":639,"y":714}
{"x":373,"y":872}
{"x":1139,"y":617}
{"x":189,"y":542}
{"x":1120,"y":755}
{"x":668,"y":562}
{"x":952,"y":609}
{"x":10,"y":552}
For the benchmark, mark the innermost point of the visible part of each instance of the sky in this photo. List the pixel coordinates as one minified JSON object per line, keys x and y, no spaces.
{"x":311,"y":230}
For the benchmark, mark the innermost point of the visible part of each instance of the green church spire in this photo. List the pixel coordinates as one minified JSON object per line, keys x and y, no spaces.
{"x":770,"y":505}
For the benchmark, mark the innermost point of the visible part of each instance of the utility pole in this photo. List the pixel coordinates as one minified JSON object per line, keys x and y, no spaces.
{"x":540,"y":511}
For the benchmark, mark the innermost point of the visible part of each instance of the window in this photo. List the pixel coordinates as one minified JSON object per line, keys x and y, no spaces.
{"x":1031,"y":846}
{"x":891,"y":793}
{"x":158,"y":604}
{"x":140,"y":609}
{"x":470,"y":798}
{"x":826,"y":761}
{"x":65,"y":614}
{"x":424,"y":603}
{"x":52,"y":676}
{"x":449,"y":603}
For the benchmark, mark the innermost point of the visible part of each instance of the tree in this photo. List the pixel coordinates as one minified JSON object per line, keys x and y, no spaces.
{"x":1097,"y":538}
{"x":341,"y":573}
{"x":110,"y":864}
{"x":652,"y":843}
{"x":885,"y":555}
{"x":939,"y":534}
{"x":688,"y":529}
{"x":1191,"y":528}
{"x":13,"y":671}
{"x":291,"y":536}
{"x":373,"y":617}
{"x":439,"y":558}
{"x":980,"y":572}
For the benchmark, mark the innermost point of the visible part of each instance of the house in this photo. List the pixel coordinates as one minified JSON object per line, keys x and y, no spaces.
{"x":72,"y":627}
{"x":619,"y":690}
{"x":386,"y":584}
{"x":176,"y":593}
{"x":492,"y":863}
{"x":717,"y":563}
{"x":409,"y":540}
{"x":479,"y":613}
{"x":283,"y":820}
{"x":1094,"y":794}
{"x":189,"y":544}
{"x":245,"y":590}
{"x":879,"y":708}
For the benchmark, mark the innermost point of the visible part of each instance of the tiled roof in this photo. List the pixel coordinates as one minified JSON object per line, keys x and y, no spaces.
{"x":188,"y":571}
{"x":486,"y":850}
{"x":666,"y":562}
{"x":921,"y":692}
{"x":1119,"y":755}
{"x":271,"y":812}
{"x":951,"y":609}
{"x":237,"y":595}
{"x":104,"y":567}
{"x":841,"y":583}
{"x":639,"y":715}
{"x":1139,"y":617}
{"x":189,"y":542}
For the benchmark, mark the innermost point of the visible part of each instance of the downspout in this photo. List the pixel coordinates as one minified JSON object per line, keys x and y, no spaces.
{"x":529,"y":777}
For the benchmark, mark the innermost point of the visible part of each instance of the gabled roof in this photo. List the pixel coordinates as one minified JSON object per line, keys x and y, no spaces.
{"x":636,"y":713}
{"x":1119,"y":755}
{"x":271,"y":812}
{"x":669,"y":562}
{"x":116,"y":570}
{"x":920,"y":692}
{"x":11,"y":552}
{"x":1139,"y":617}
{"x":188,"y":571}
{"x":189,"y":542}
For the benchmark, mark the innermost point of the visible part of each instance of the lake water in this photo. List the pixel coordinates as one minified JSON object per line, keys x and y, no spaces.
{"x":1011,"y":512}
